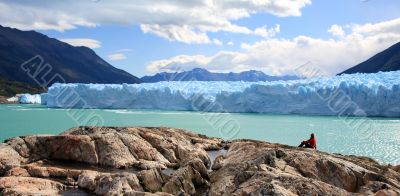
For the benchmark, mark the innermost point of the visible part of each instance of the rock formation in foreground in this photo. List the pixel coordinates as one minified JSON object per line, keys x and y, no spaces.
{"x":166,"y":161}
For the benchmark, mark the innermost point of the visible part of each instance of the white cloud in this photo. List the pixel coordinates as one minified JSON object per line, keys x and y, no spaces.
{"x":282,"y":56}
{"x":222,"y":61}
{"x":90,"y":43}
{"x":266,"y":33}
{"x":281,"y":8}
{"x":391,"y":26}
{"x":117,"y":57}
{"x":336,"y":30}
{"x":183,"y":34}
{"x":230,"y":43}
{"x":217,"y":42}
{"x":186,"y":21}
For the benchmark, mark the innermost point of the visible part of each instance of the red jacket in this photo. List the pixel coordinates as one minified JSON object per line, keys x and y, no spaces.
{"x":312,"y":141}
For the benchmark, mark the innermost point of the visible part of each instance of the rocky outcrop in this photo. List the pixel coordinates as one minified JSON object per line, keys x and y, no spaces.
{"x":29,"y":186}
{"x":166,"y":161}
{"x":259,"y":168}
{"x":111,"y":160}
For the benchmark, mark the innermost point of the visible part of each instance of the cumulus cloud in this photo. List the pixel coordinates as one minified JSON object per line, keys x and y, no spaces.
{"x":387,"y":27}
{"x":265,"y":32}
{"x":186,"y":21}
{"x":336,"y":30}
{"x":90,"y":43}
{"x":222,"y":61}
{"x":117,"y":57}
{"x":282,"y":56}
{"x":183,"y":34}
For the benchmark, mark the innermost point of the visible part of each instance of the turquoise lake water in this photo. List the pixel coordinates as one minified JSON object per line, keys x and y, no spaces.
{"x":378,"y":138}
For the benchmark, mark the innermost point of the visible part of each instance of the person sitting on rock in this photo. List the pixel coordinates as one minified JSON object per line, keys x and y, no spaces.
{"x":311,"y":143}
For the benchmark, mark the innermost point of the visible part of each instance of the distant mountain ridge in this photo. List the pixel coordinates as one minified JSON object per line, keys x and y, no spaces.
{"x":73,"y":64}
{"x":387,"y":60}
{"x":199,"y":74}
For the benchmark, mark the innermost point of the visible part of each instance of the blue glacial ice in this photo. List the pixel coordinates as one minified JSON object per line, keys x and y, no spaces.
{"x":29,"y":99}
{"x":353,"y":94}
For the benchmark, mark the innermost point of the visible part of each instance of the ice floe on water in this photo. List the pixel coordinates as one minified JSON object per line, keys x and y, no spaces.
{"x":352,"y":94}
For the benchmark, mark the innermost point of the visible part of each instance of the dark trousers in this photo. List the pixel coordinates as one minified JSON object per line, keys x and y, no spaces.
{"x":305,"y":145}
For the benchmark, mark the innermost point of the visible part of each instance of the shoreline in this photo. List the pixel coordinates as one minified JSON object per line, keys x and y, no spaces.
{"x":4,"y":100}
{"x":130,"y":160}
{"x":211,"y":112}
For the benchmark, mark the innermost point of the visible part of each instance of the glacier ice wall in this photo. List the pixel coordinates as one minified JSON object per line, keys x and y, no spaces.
{"x":29,"y":99}
{"x":353,"y":94}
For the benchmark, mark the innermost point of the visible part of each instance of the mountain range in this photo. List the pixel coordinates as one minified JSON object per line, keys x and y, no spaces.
{"x":199,"y":74}
{"x":387,"y":60}
{"x":72,"y":64}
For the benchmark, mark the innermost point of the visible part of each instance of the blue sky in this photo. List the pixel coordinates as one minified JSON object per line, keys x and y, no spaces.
{"x":217,"y":36}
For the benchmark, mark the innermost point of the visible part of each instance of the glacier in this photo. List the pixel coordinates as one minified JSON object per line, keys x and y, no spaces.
{"x":29,"y":99}
{"x":375,"y":94}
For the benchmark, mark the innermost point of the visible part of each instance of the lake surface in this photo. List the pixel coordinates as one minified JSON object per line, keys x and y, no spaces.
{"x":378,"y":138}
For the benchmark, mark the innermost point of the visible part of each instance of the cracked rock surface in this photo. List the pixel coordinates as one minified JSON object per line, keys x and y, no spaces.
{"x":167,"y":161}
